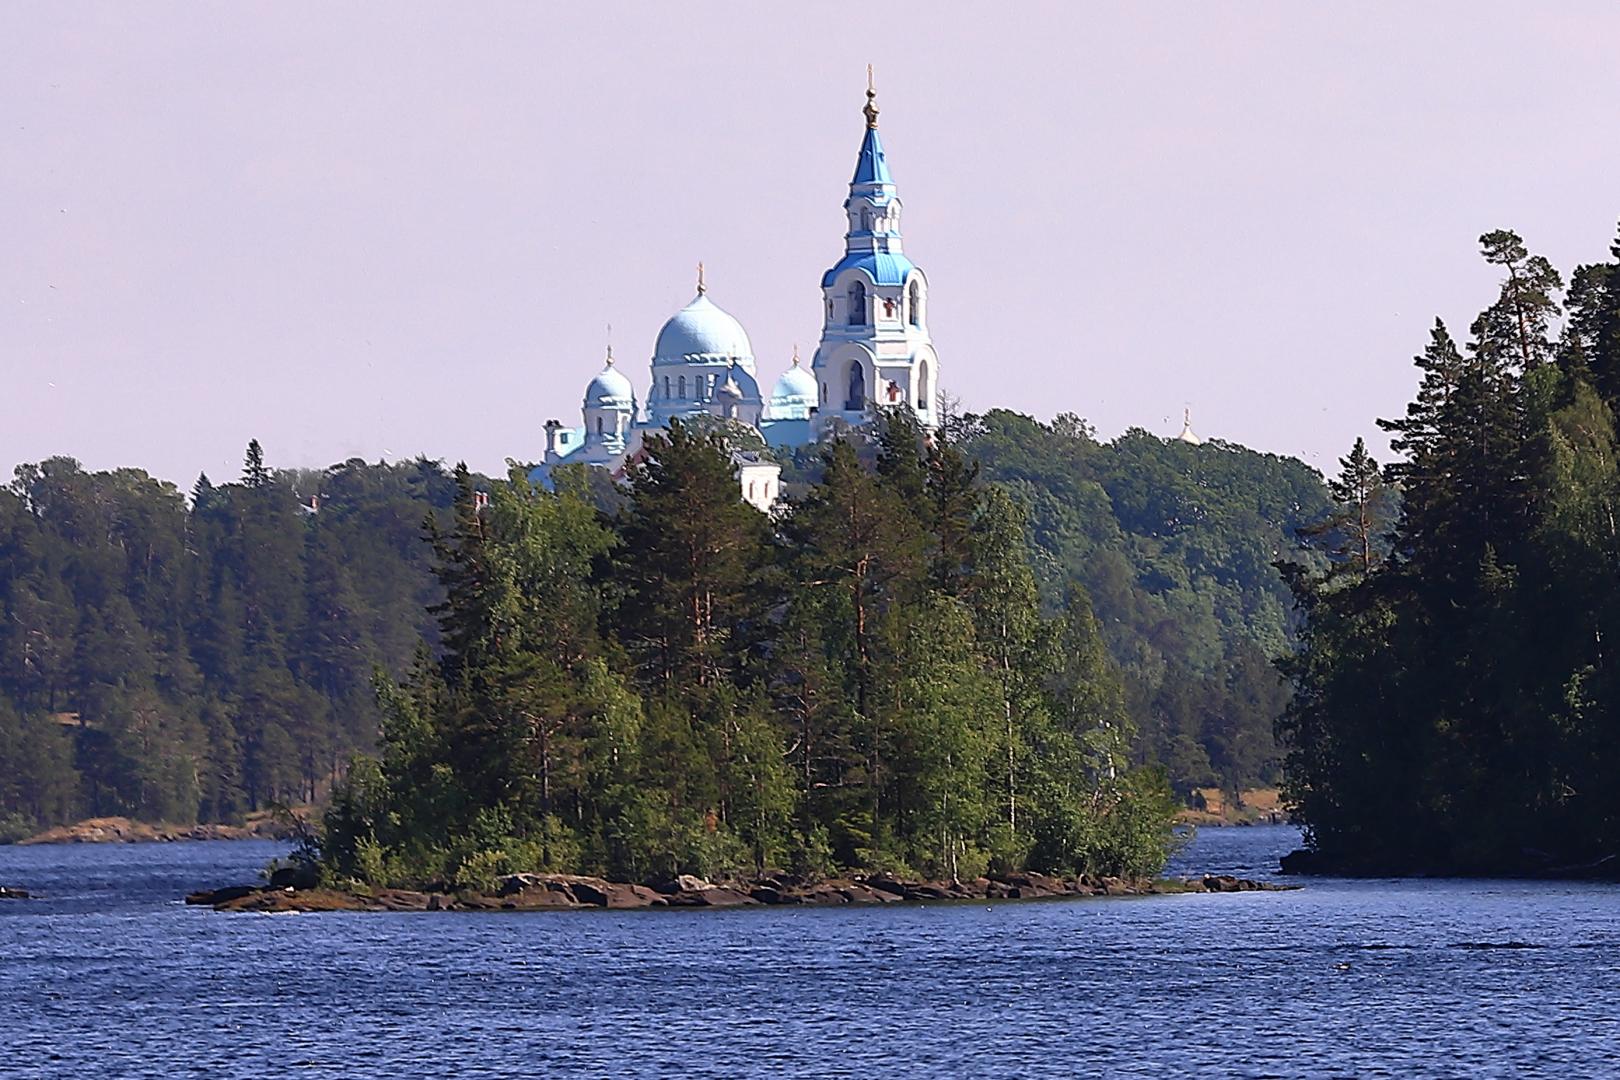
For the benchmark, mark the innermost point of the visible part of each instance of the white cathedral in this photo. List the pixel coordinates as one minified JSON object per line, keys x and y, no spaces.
{"x":874,"y":350}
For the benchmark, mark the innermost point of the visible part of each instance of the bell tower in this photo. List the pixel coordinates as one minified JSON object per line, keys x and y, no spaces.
{"x":875,"y":349}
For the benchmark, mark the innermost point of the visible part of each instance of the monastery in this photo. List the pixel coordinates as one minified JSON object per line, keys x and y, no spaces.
{"x":874,"y":350}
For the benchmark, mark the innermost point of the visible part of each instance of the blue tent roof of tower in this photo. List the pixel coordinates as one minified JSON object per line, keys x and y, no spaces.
{"x":870,"y":167}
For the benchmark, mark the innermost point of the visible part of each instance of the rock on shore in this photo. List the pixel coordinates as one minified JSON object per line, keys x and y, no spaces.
{"x":542,"y":892}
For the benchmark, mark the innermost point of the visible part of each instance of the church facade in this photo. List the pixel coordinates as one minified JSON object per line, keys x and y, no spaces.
{"x":874,"y":351}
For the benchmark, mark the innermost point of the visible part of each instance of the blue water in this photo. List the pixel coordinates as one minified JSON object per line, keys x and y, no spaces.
{"x":111,"y":976}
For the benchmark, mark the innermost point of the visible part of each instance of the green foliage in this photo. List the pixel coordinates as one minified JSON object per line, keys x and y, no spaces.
{"x":896,"y":672}
{"x":688,"y":687}
{"x":1454,"y":705}
{"x":179,"y":663}
{"x":1174,"y":546}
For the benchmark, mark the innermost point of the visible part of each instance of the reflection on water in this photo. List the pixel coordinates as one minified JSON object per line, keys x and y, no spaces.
{"x":110,"y":975}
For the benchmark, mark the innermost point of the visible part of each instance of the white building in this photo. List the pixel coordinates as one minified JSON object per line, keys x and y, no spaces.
{"x":874,"y":351}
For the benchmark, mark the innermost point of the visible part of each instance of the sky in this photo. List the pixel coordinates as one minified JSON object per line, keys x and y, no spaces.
{"x":390,"y":229}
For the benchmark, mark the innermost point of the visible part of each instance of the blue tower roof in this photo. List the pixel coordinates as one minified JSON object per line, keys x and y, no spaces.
{"x":883,"y":267}
{"x":870,"y":167}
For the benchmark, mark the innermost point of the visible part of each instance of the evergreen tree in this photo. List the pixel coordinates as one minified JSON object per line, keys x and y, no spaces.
{"x":693,"y":556}
{"x":254,"y":474}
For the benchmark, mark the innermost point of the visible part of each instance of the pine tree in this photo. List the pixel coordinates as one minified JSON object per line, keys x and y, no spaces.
{"x":254,"y":474}
{"x":1353,"y":534}
{"x":693,"y":556}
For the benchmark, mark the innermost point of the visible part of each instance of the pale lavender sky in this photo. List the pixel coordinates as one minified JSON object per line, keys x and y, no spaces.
{"x":384,"y":229}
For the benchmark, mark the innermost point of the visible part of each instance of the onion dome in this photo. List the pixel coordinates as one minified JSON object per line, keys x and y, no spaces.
{"x":795,"y":393}
{"x":1188,"y":435}
{"x":702,"y":331}
{"x":610,"y":389}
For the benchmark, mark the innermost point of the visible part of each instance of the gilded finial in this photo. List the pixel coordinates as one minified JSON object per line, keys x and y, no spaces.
{"x":871,"y":109}
{"x":795,"y":354}
{"x":702,"y":288}
{"x":610,"y":344}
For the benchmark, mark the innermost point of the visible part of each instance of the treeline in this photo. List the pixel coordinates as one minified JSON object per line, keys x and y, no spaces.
{"x":178,"y":663}
{"x":866,"y":681}
{"x":1456,"y":708}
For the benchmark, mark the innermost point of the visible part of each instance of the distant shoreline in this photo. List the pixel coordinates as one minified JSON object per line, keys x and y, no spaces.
{"x":122,"y":830}
{"x":1252,"y":806}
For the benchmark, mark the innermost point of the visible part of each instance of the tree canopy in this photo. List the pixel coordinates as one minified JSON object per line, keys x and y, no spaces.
{"x":1454,"y":707}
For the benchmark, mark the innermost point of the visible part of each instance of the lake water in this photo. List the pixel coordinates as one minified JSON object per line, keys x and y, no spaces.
{"x":111,"y":976}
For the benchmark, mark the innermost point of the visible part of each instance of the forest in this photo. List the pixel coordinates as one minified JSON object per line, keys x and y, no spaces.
{"x":690,"y":686}
{"x":180,"y":656}
{"x":1454,"y":706}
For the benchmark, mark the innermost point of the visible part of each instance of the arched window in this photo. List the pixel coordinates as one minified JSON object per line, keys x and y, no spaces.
{"x":599,"y":425}
{"x":866,"y":220}
{"x":922,"y":385}
{"x":857,"y":304}
{"x":666,"y":386}
{"x":857,"y":387}
{"x":683,"y":386}
{"x":916,"y":304}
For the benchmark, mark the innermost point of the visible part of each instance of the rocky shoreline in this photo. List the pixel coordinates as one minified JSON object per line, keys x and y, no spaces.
{"x":552,"y":892}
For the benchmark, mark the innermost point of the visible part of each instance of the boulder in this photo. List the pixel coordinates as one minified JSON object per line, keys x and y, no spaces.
{"x":592,"y":892}
{"x":296,"y":876}
{"x":511,"y":883}
{"x":930,"y":890}
{"x":824,"y":892}
{"x":280,"y":900}
{"x":621,"y":896}
{"x":773,"y":894}
{"x":887,"y":883}
{"x":215,"y":897}
{"x":541,"y":899}
{"x":1228,"y":883}
{"x":860,"y":893}
{"x":713,"y":896}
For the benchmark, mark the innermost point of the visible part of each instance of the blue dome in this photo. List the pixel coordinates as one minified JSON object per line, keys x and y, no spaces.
{"x":795,"y":394}
{"x":701,"y":330}
{"x":795,"y":384}
{"x":610,"y":390}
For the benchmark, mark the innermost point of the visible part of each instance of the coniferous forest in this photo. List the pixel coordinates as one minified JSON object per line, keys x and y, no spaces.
{"x":688,"y":686}
{"x":1455,"y":709}
{"x":195,"y":659}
